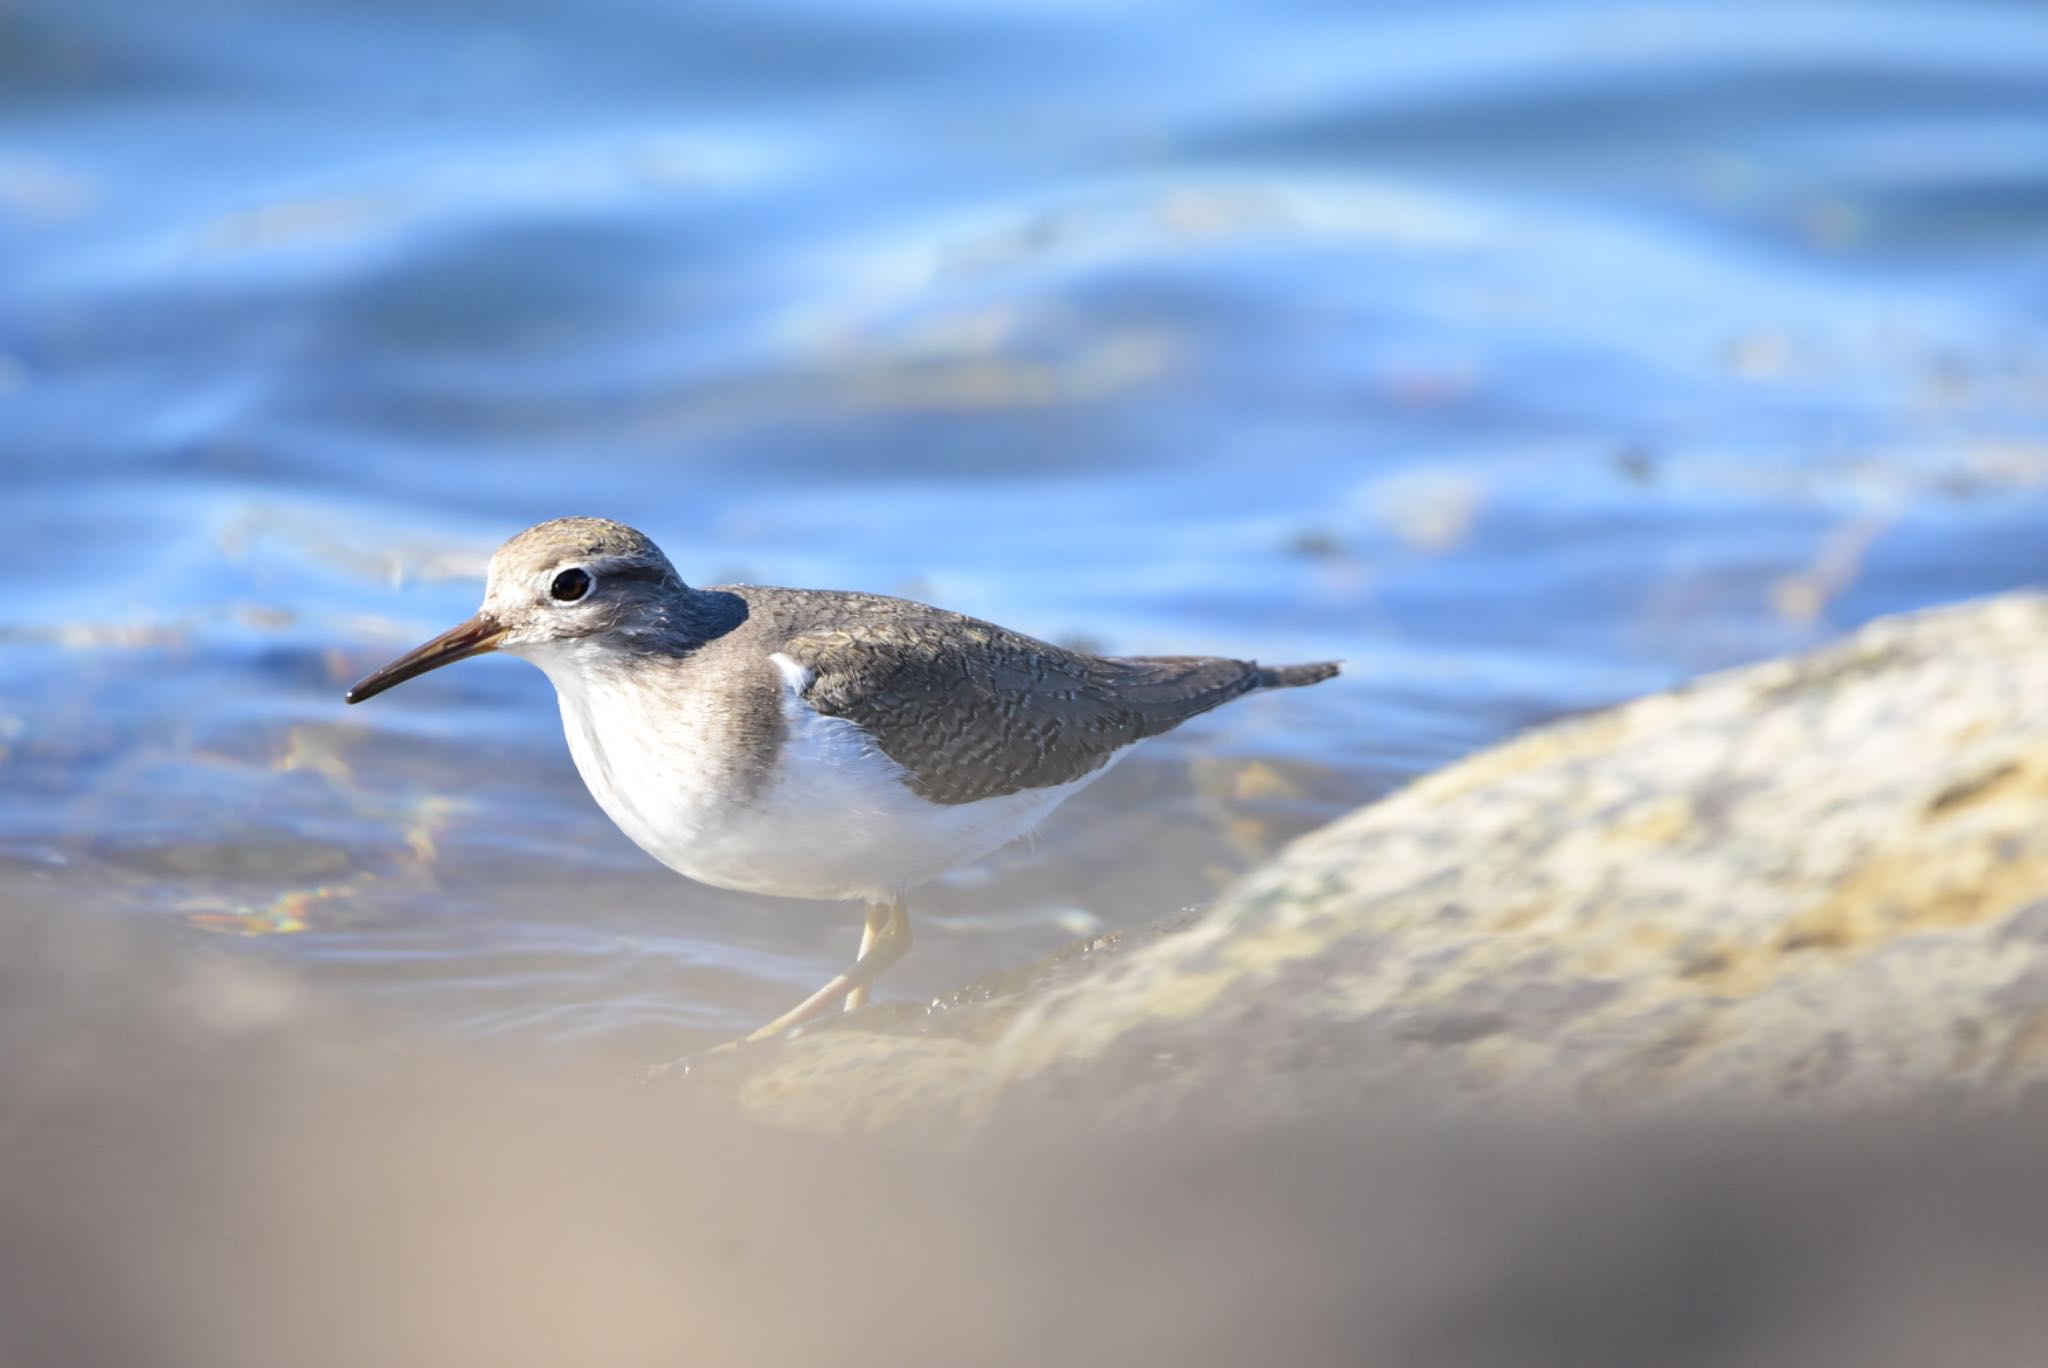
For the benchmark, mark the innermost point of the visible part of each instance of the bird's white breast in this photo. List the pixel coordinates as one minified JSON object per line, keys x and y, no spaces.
{"x":831,"y":818}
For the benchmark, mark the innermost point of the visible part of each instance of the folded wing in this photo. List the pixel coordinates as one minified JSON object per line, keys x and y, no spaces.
{"x":973,"y":711}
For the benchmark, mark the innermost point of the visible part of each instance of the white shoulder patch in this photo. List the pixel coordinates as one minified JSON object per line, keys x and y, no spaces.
{"x":795,"y":677}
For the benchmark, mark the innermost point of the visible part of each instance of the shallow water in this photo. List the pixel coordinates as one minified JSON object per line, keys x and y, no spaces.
{"x":1526,"y":357}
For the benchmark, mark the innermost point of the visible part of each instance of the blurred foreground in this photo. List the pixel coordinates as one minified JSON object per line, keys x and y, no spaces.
{"x":203,"y":1169}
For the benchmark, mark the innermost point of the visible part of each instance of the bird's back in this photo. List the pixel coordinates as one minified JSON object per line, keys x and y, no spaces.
{"x":972,"y":710}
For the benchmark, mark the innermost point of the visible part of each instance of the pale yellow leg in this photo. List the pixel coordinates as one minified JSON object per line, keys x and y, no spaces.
{"x":878,"y":917}
{"x":880,"y":948}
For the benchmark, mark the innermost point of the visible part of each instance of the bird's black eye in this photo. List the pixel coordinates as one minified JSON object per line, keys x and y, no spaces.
{"x":570,"y":585}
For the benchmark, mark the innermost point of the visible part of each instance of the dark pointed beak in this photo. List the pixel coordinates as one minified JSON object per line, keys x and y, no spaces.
{"x":481,"y":633}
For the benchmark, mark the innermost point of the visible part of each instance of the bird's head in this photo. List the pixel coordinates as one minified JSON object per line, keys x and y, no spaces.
{"x":558,"y":587}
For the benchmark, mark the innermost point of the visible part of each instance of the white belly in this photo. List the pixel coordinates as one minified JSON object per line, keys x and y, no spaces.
{"x":833,"y":819}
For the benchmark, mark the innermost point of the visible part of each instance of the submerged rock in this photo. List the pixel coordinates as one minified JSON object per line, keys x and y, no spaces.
{"x":1820,"y":882}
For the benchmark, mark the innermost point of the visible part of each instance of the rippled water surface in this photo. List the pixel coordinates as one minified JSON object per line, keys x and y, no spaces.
{"x":1528,"y":357}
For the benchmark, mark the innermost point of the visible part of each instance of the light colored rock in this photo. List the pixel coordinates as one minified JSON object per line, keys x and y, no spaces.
{"x":1813,"y":883}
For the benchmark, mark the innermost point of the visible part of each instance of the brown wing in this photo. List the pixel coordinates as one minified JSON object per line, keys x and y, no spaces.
{"x":973,"y":711}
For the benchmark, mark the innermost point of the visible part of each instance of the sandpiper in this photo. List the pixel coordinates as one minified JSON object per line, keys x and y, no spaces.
{"x":812,"y":743}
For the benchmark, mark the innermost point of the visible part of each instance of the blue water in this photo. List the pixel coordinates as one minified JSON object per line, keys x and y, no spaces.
{"x":1528,"y":357}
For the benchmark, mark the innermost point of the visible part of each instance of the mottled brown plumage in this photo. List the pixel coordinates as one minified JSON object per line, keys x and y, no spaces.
{"x":972,"y":710}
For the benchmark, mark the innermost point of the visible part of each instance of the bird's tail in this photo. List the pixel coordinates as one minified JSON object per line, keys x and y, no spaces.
{"x":1294,"y":676}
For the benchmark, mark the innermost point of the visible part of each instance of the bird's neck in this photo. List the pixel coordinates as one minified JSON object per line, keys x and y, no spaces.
{"x":692,"y":617}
